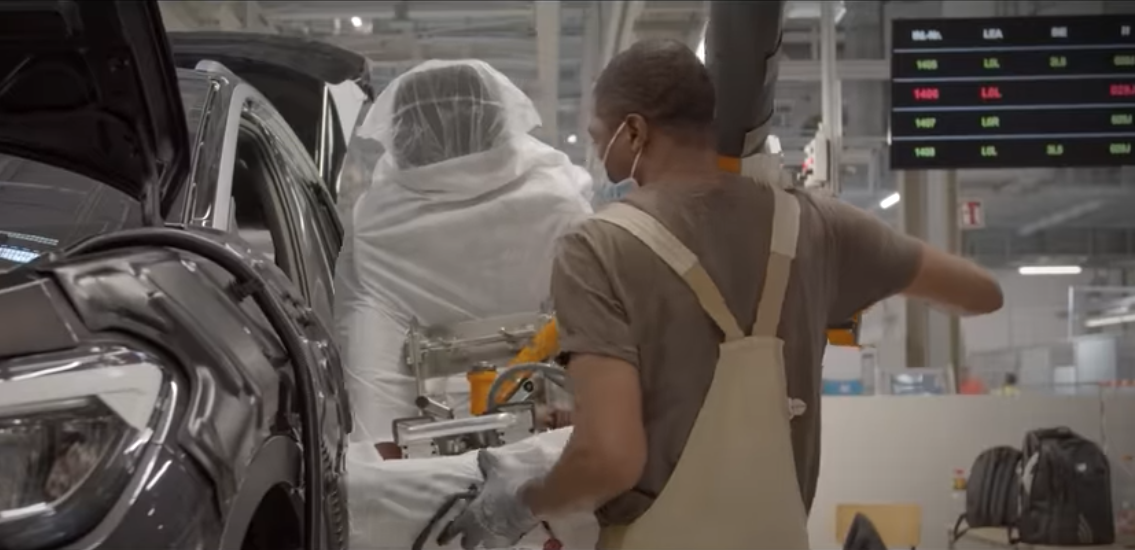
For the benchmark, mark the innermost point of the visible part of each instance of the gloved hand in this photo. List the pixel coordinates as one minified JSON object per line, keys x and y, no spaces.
{"x":497,"y":518}
{"x":551,"y":418}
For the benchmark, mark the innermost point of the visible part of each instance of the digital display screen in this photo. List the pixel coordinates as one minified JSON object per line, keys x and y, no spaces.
{"x":20,"y":248}
{"x":17,"y":255}
{"x":1013,"y":92}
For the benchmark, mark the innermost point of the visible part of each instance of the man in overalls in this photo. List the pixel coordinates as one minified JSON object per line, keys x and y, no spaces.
{"x":695,"y":311}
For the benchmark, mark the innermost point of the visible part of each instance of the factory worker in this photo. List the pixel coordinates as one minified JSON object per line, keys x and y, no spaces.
{"x":694,"y":312}
{"x":459,"y":223}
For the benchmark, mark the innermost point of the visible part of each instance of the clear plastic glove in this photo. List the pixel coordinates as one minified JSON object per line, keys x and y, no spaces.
{"x":497,"y":518}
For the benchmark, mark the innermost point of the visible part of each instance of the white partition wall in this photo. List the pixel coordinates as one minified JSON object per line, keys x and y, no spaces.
{"x":905,"y":449}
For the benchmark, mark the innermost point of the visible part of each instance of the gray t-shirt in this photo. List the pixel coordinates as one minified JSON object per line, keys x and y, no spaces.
{"x":614,"y":297}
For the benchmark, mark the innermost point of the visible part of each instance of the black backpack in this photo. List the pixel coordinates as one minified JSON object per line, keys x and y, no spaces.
{"x":863,"y":536}
{"x":1065,"y":491}
{"x":991,"y":490}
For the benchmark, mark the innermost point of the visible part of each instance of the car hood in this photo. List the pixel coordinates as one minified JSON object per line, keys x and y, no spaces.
{"x":91,"y":87}
{"x":291,"y":72}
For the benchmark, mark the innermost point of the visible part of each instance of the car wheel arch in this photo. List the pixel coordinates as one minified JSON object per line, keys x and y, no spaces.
{"x":277,"y":462}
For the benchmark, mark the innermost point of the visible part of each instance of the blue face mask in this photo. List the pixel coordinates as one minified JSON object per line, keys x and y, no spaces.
{"x":608,"y":191}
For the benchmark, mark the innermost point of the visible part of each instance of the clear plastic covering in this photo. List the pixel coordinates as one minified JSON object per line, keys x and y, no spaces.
{"x":459,"y":223}
{"x":443,"y":110}
{"x":392,"y":502}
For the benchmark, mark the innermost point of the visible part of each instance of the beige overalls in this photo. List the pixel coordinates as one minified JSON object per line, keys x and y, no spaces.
{"x":735,"y":485}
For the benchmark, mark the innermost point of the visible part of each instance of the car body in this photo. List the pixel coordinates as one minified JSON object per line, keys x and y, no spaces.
{"x":322,"y":91}
{"x":151,"y":396}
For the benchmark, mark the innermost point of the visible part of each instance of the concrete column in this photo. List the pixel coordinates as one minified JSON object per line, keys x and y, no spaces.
{"x":619,"y":18}
{"x":178,"y":16}
{"x":548,"y":63}
{"x":912,"y":210}
{"x":832,"y":110}
{"x":417,"y":50}
{"x":867,"y":114}
{"x":930,"y":212}
{"x":944,"y":347}
{"x":589,"y":71}
{"x":254,"y":17}
{"x":227,"y":18}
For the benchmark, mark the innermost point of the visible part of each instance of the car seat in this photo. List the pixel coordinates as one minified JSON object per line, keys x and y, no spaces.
{"x":249,"y":219}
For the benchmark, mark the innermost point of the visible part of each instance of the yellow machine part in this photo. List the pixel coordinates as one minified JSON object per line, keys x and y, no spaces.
{"x":729,"y":164}
{"x":543,"y":346}
{"x":846,"y":334}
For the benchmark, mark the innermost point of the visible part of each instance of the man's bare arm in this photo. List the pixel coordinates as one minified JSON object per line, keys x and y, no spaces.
{"x":954,"y":283}
{"x":874,"y":261}
{"x":606,"y":453}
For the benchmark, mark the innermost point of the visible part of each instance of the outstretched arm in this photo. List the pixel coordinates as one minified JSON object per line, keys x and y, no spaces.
{"x":873,"y":261}
{"x":954,"y":283}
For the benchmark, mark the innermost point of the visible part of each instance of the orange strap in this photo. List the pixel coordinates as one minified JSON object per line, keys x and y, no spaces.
{"x":729,"y":164}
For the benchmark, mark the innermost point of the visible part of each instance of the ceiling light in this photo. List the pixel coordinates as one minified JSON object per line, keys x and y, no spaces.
{"x":1110,"y":321}
{"x":890,"y":201}
{"x":357,"y":21}
{"x":700,"y":50}
{"x":572,"y":139}
{"x":1050,"y":270}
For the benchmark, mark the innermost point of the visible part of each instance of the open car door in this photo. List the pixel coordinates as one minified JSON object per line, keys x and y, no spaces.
{"x":315,"y":86}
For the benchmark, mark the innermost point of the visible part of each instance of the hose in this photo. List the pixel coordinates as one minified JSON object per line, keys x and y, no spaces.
{"x":555,"y":374}
{"x":443,"y":537}
{"x":447,"y":533}
{"x":277,"y":316}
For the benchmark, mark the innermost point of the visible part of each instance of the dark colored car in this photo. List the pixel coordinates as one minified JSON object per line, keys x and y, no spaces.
{"x":167,"y":242}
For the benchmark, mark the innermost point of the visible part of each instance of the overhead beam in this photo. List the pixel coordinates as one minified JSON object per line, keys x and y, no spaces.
{"x":374,"y":10}
{"x":353,"y":40}
{"x":392,"y":47}
{"x":846,"y":69}
{"x":518,"y":64}
{"x":850,"y":156}
{"x":1081,"y":245}
{"x":1060,"y":217}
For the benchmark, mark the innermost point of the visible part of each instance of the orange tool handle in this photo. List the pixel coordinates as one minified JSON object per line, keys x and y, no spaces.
{"x":545,"y":343}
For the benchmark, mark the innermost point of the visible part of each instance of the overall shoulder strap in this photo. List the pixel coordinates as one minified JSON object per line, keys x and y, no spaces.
{"x":667,"y":247}
{"x":785,"y":231}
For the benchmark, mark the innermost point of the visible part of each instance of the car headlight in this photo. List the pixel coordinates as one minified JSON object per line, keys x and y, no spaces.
{"x":71,"y":435}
